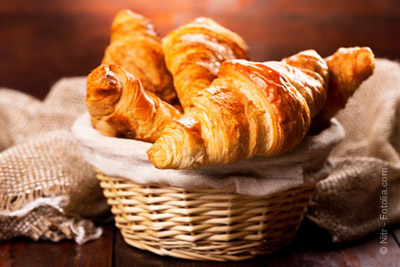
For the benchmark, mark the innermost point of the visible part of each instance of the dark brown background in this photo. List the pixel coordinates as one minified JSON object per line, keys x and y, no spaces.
{"x":42,"y":41}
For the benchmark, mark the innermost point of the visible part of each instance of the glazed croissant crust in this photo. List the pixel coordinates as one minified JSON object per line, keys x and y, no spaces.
{"x":119,"y":106}
{"x":194,"y":52}
{"x":256,"y":109}
{"x":348,"y":68}
{"x":136,"y":46}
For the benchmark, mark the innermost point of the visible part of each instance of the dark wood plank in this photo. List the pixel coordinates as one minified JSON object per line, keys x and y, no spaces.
{"x":312,"y":247}
{"x":40,"y":49}
{"x":97,"y":252}
{"x":396,"y":235}
{"x":364,"y":252}
{"x":41,"y":43}
{"x":308,"y":7}
{"x":6,"y":257}
{"x":25,"y":252}
{"x":28,"y":253}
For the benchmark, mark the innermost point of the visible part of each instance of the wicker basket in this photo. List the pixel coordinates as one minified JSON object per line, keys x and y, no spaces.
{"x":204,"y":224}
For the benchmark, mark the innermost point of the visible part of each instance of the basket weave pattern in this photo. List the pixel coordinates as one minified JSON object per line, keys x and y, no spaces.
{"x":204,"y":224}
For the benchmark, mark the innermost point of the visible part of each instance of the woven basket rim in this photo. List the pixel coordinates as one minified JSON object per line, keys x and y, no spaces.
{"x":203,"y":188}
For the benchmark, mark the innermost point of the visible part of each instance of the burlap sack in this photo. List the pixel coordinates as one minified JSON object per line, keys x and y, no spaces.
{"x":46,"y":188}
{"x":352,"y":201}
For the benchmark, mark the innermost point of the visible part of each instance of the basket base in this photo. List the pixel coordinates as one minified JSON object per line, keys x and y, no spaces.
{"x":204,"y":224}
{"x":232,"y":251}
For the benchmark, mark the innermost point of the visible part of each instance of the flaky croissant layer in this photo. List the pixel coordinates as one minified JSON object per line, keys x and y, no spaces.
{"x":256,"y":109}
{"x":119,"y":106}
{"x":136,"y":46}
{"x":195,"y":51}
{"x":348,"y":68}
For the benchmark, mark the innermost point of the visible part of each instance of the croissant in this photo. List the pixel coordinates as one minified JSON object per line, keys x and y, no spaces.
{"x":194,"y":52}
{"x":119,"y":106}
{"x":99,"y":108}
{"x":251,"y":109}
{"x":348,"y":68}
{"x":259,"y":109}
{"x":136,"y":46}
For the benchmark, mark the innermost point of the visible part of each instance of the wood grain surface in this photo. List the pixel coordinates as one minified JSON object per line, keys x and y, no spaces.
{"x":28,"y":253}
{"x":312,"y":247}
{"x":42,"y":41}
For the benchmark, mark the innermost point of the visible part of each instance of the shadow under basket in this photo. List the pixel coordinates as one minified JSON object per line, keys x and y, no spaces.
{"x":204,"y":224}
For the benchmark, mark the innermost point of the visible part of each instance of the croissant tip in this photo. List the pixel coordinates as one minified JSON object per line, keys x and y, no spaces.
{"x":103,"y":81}
{"x":158,"y":154}
{"x":127,"y":14}
{"x":366,"y":59}
{"x":110,"y":77}
{"x":103,"y":90}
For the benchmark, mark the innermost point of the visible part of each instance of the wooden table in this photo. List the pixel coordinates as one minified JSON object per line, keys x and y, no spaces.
{"x":41,"y":42}
{"x":310,"y":248}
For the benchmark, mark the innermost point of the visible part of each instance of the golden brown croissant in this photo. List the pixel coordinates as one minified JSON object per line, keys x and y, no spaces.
{"x":251,"y":109}
{"x":194,"y":52}
{"x":119,"y":106}
{"x":348,"y":68}
{"x":136,"y":46}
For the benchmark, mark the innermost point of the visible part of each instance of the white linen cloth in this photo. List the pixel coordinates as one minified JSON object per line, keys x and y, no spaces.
{"x":126,"y":158}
